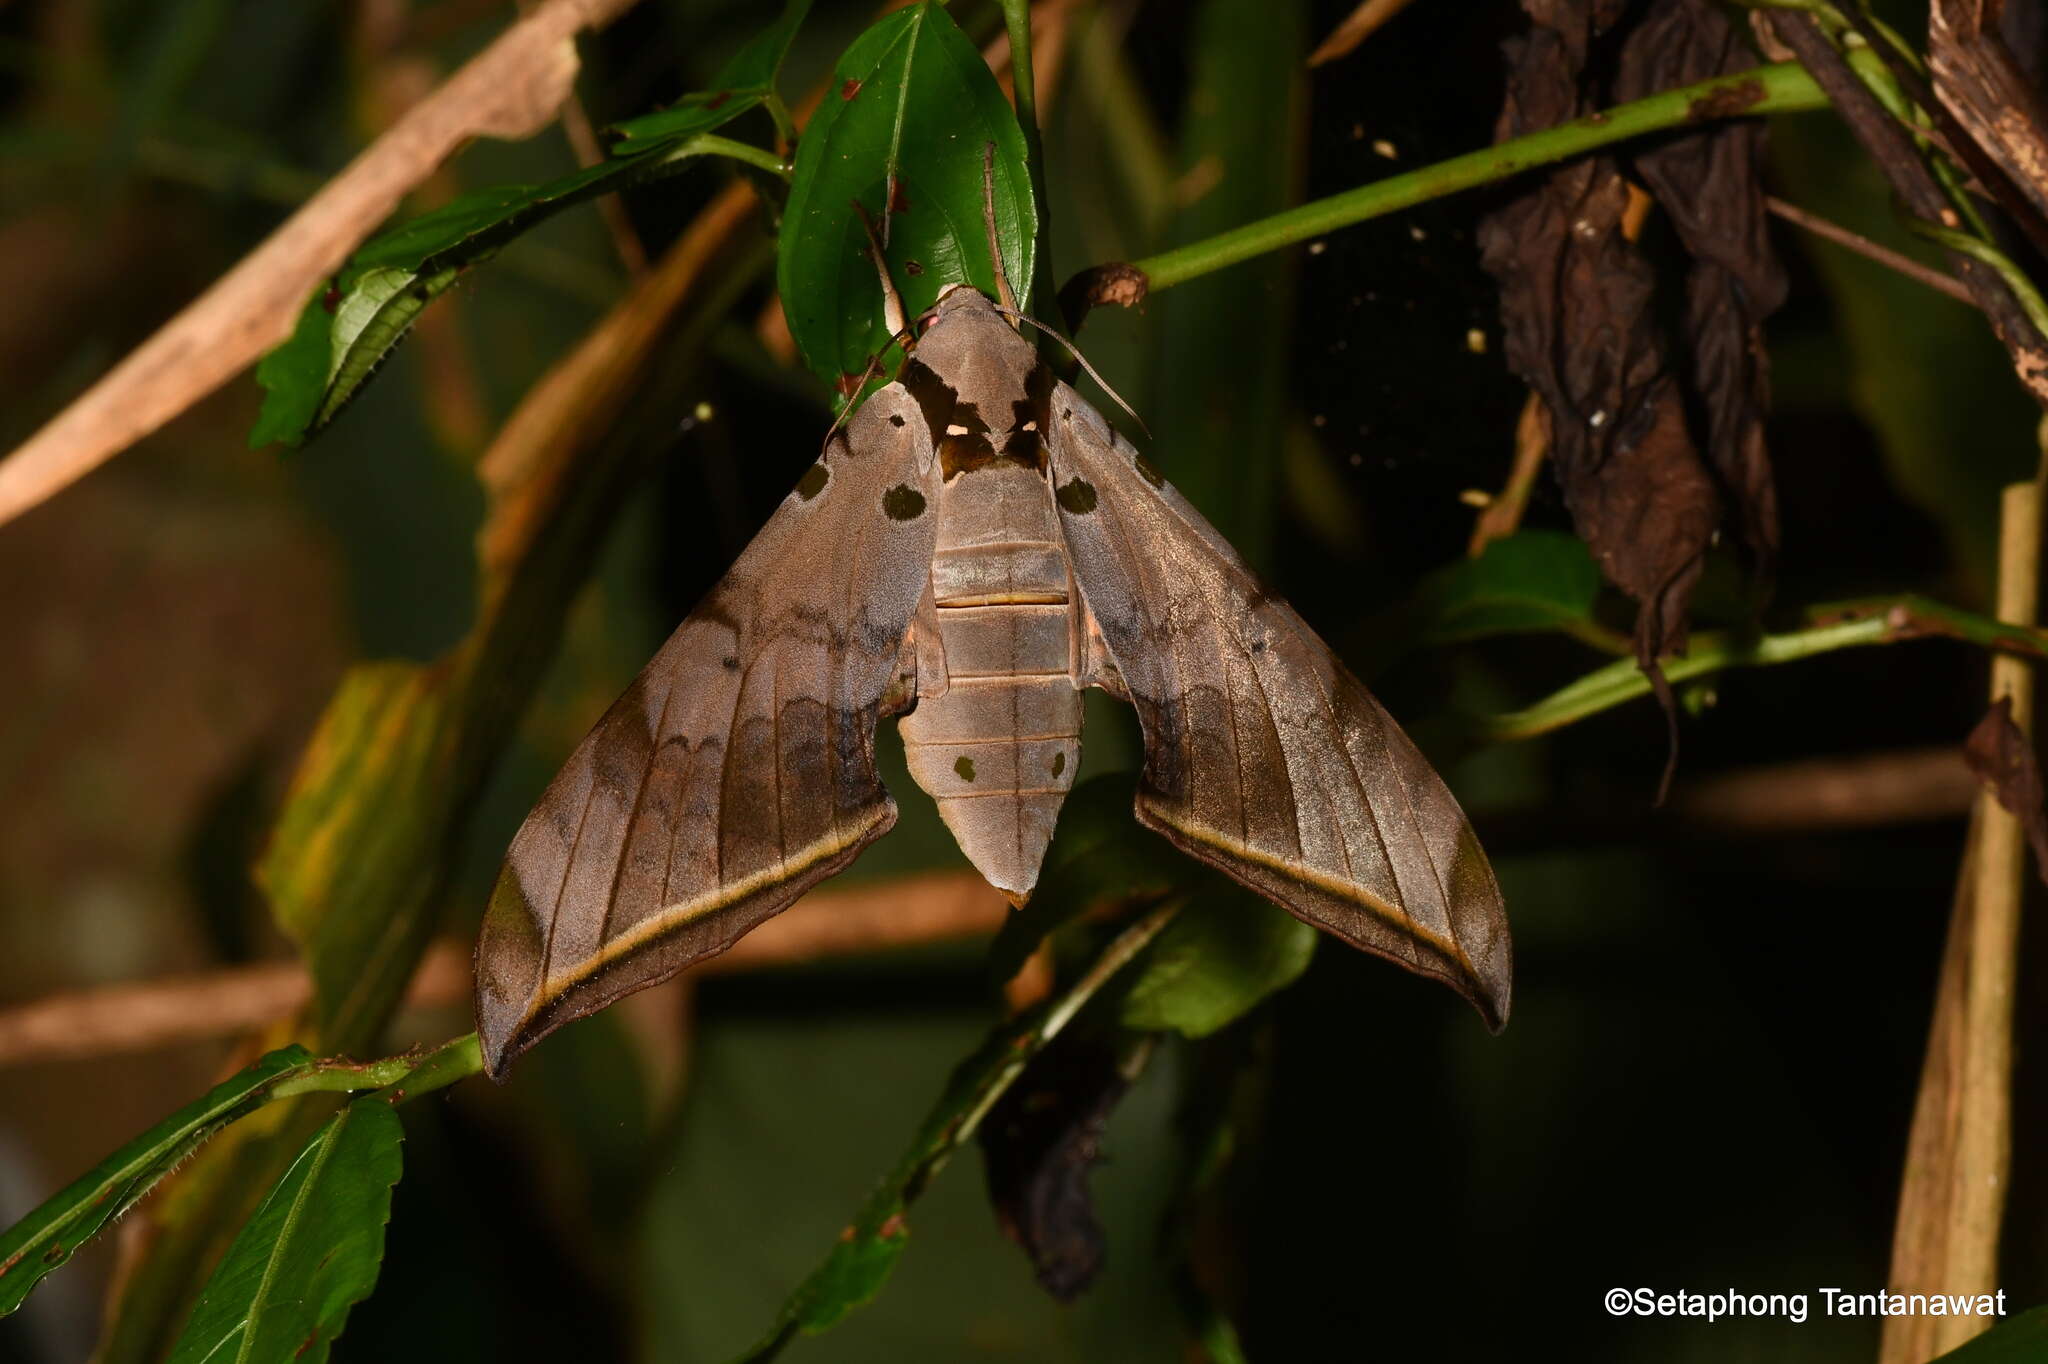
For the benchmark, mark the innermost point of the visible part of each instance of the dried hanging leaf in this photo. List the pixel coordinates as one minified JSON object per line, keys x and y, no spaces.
{"x":1039,"y":1144}
{"x":1577,"y":306}
{"x":2003,"y":759}
{"x":1981,"y":82}
{"x":1708,"y":183}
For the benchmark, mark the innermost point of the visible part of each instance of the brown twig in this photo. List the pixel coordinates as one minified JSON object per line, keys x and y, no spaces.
{"x":1865,"y":790}
{"x":1996,"y":105}
{"x":576,"y":126}
{"x":510,"y":90}
{"x":1360,"y":24}
{"x":1502,"y":514}
{"x":842,"y":922}
{"x":1891,"y":146}
{"x":1863,"y":246}
{"x":1952,"y":1198}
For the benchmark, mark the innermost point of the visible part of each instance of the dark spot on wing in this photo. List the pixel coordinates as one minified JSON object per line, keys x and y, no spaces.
{"x":896,"y":419}
{"x":814,"y":480}
{"x":965,"y":767}
{"x":1059,"y":763}
{"x":1148,"y":471}
{"x":903,"y":503}
{"x":935,"y":397}
{"x":1077,"y":495}
{"x":732,"y":665}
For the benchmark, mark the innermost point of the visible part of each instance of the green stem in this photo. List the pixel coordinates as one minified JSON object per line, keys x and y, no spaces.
{"x":396,"y":1078}
{"x":1779,"y":89}
{"x":710,"y":144}
{"x":1845,"y":625}
{"x":1017,"y":22}
{"x":1977,"y":249}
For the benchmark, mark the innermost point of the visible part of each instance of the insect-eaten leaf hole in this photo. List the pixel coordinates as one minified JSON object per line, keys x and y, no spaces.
{"x":965,"y":767}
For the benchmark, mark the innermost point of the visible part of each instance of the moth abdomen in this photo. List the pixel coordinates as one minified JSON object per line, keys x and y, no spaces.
{"x":999,"y":749}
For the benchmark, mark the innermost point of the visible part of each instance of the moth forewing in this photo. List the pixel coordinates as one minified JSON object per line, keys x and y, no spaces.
{"x":738,"y":769}
{"x":1264,"y":756}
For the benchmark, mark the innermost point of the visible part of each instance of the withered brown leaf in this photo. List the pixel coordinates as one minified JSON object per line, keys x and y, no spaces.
{"x":1039,"y":1144}
{"x":1577,"y":306}
{"x":2004,"y":759}
{"x":1707,"y":181}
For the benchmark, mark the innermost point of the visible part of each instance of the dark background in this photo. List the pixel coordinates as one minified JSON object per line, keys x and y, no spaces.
{"x":1711,"y":1067}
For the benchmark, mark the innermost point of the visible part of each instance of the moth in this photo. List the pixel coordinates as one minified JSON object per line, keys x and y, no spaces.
{"x":974,"y":548}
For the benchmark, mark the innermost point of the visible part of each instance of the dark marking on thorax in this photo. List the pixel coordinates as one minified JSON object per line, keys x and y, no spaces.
{"x":963,"y":435}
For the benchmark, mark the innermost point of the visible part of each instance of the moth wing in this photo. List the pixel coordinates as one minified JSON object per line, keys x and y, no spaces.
{"x":1264,"y":756}
{"x":738,"y":769}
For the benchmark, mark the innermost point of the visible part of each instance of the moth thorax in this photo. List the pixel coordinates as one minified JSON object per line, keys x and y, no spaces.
{"x":999,"y":748}
{"x":972,"y":373}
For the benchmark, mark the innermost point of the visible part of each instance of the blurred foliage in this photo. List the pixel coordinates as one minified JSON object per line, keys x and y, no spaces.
{"x":309,"y":1252}
{"x":1711,"y":1066}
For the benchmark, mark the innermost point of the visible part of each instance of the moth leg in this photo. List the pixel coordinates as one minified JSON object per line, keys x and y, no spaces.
{"x":921,"y":665}
{"x":1093,"y":666}
{"x":892,"y":302}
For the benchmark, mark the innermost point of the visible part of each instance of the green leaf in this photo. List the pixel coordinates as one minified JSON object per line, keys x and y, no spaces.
{"x":2017,"y":1340}
{"x":901,"y":131}
{"x":350,"y":328}
{"x":744,"y":83}
{"x":47,"y":1237}
{"x":310,"y":1252}
{"x":294,"y":378}
{"x":867,"y":1251}
{"x":367,"y":815}
{"x":1534,"y":580}
{"x":1225,"y":952}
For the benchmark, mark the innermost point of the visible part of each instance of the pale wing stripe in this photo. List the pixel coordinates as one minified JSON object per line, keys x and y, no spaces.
{"x":1310,"y":646}
{"x":1343,"y":890}
{"x":677,"y":915}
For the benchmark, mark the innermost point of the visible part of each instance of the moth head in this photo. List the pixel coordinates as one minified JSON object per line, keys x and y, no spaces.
{"x":977,"y":359}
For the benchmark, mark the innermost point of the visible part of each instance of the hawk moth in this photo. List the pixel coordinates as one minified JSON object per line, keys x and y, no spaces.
{"x":973,"y":548}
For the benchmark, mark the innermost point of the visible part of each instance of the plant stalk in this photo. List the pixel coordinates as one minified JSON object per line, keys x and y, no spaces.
{"x":1778,"y":89}
{"x":1952,"y":1197}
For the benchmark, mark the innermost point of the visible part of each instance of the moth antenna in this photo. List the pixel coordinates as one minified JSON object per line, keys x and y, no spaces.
{"x":988,"y":219}
{"x":893,"y":315}
{"x":1072,"y":350}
